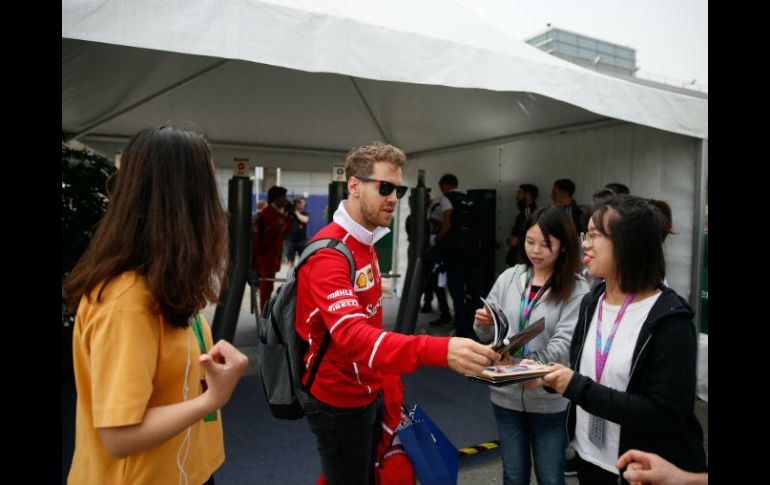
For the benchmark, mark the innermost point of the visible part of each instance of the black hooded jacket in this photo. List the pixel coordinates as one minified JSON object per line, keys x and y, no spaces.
{"x":656,"y":411}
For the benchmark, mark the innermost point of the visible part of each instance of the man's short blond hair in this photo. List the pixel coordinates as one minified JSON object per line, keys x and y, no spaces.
{"x":360,"y":161}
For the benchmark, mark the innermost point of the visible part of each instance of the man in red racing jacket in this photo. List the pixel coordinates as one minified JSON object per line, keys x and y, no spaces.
{"x":345,"y":411}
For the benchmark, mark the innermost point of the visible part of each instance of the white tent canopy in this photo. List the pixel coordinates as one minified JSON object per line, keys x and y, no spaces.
{"x":433,"y":43}
{"x":311,"y":79}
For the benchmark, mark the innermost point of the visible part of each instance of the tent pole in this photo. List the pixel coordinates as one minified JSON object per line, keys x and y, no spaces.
{"x":158,"y":94}
{"x":369,"y":109}
{"x":699,"y":204}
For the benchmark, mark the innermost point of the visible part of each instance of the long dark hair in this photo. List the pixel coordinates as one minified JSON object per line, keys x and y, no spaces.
{"x":637,"y":228}
{"x":164,"y":221}
{"x":553,"y":221}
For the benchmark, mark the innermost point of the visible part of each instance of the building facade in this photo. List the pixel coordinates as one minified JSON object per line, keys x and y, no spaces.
{"x":587,"y":51}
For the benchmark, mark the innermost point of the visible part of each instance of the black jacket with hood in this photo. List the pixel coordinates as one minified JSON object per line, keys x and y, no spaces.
{"x":656,"y":411}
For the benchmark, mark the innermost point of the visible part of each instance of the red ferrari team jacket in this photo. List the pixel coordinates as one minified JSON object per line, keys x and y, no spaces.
{"x":360,"y":352}
{"x":271,"y":228}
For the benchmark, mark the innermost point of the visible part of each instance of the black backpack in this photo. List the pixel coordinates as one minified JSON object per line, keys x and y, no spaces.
{"x":463,"y":238}
{"x":281,"y":351}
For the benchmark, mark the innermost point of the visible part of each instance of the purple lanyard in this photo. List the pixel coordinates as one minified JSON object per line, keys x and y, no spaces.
{"x":601,"y":357}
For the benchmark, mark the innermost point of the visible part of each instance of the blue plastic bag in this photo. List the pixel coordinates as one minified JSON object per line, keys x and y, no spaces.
{"x":433,"y":457}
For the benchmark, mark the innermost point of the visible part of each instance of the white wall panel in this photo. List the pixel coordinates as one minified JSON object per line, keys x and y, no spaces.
{"x":652,"y":163}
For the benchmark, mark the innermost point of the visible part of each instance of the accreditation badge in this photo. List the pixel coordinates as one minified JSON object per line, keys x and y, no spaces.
{"x":596,"y":430}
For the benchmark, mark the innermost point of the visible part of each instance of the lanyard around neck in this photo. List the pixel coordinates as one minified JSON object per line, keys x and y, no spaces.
{"x":601,"y":356}
{"x":197,"y":327}
{"x":526,"y":304}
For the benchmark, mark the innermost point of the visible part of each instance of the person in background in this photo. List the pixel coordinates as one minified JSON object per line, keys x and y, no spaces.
{"x":272,"y":224}
{"x":526,"y":196}
{"x":561,"y":195}
{"x":633,"y":354}
{"x":618,"y":188}
{"x":532,"y":422}
{"x":644,"y":468}
{"x":459,"y":247}
{"x":435,"y":265}
{"x":296,"y":241}
{"x":150,"y":381}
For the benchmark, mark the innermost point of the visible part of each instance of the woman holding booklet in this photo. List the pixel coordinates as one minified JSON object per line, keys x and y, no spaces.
{"x":545,"y":286}
{"x":633,"y":351}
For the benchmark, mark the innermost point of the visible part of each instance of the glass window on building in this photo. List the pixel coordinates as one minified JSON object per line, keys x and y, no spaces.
{"x":605,"y":49}
{"x":567,"y":37}
{"x":567,"y":49}
{"x":587,"y":54}
{"x":623,"y":52}
{"x":587,"y":43}
{"x":625,"y":63}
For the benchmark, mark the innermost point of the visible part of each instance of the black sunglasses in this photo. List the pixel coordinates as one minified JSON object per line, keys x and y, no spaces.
{"x":386,"y":188}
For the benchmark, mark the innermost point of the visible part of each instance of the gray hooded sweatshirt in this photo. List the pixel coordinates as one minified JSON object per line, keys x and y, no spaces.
{"x":552,"y":345}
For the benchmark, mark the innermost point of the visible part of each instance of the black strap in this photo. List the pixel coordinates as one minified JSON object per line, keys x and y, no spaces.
{"x":321,"y":351}
{"x":311,"y":249}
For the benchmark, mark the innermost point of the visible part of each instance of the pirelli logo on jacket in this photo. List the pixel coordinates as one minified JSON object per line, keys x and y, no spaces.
{"x":364,"y":278}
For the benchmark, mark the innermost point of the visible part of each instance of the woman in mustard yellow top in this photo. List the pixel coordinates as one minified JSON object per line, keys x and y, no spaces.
{"x":149,"y":379}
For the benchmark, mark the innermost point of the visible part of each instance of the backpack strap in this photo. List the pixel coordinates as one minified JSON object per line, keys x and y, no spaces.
{"x":311,"y":249}
{"x":317,"y":363}
{"x":327,"y":243}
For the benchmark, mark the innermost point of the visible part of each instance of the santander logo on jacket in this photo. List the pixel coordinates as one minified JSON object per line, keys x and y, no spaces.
{"x":360,"y":351}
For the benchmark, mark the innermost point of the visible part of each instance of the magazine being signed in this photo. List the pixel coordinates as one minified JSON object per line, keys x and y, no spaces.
{"x":504,"y":343}
{"x":513,"y":373}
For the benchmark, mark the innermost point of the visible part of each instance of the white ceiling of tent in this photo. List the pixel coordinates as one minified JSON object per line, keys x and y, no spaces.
{"x":253,"y":104}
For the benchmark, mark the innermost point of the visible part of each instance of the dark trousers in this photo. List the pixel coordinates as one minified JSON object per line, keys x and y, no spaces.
{"x":464,"y":277}
{"x":590,"y":474}
{"x":347,"y":440}
{"x":431,"y":286}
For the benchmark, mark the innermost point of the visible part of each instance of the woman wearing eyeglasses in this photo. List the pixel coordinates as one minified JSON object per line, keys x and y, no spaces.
{"x":532,"y":421}
{"x":632,"y":358}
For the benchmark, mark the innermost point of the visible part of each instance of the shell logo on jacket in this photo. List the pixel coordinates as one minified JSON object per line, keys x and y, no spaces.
{"x":364,"y":278}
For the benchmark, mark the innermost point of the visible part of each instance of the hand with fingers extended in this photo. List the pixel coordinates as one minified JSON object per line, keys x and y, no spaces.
{"x":483,"y":316}
{"x":648,"y":468}
{"x":559,"y":378}
{"x":468,"y":357}
{"x":224,"y":366}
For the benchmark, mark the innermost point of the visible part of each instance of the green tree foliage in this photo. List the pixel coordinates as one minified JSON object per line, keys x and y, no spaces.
{"x":85,"y":177}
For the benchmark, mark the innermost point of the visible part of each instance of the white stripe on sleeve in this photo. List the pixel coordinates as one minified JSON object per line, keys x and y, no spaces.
{"x":345,"y":318}
{"x":376,"y":346}
{"x":311,"y":314}
{"x":355,"y":368}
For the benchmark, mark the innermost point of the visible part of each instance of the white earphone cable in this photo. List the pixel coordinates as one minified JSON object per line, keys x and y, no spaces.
{"x":186,"y":441}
